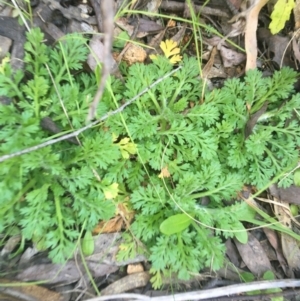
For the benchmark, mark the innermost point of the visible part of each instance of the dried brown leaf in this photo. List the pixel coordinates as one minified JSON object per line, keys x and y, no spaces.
{"x":254,"y":256}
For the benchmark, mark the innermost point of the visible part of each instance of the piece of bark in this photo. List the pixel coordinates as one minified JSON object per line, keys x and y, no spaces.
{"x":127,"y":283}
{"x":107,"y":10}
{"x":253,"y":120}
{"x":178,"y":7}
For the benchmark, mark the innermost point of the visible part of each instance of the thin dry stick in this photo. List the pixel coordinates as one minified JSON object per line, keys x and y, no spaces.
{"x":250,"y":32}
{"x":107,"y":10}
{"x":211,"y":293}
{"x":79,"y":131}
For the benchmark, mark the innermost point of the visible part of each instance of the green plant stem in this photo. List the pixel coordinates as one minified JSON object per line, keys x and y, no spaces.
{"x":271,"y":157}
{"x":240,"y":116}
{"x":180,"y":243}
{"x":59,"y":216}
{"x":85,"y":265}
{"x":16,"y":89}
{"x":36,"y":103}
{"x":66,"y":67}
{"x":163,"y":125}
{"x":261,"y":102}
{"x":209,"y":192}
{"x":282,"y":130}
{"x":153,"y":98}
{"x":196,"y":29}
{"x":273,"y":223}
{"x":279,"y":147}
{"x":177,"y":91}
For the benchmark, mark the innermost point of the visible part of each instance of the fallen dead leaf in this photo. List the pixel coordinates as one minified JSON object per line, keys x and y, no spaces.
{"x":229,"y":56}
{"x":232,"y":253}
{"x":100,"y":263}
{"x":270,"y":252}
{"x":123,"y":219}
{"x":273,"y":241}
{"x":289,"y":244}
{"x":278,"y":47}
{"x":113,"y":225}
{"x":291,"y":251}
{"x":51,"y":273}
{"x":126,"y":212}
{"x":254,"y":256}
{"x":96,"y":56}
{"x":210,"y":62}
{"x":288,"y":195}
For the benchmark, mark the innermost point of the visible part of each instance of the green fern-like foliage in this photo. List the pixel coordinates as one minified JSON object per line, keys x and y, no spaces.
{"x":206,"y":151}
{"x":186,"y":144}
{"x":49,"y":193}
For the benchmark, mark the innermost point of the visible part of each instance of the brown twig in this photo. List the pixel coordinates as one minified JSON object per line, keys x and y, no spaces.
{"x":107,"y":10}
{"x":175,"y":6}
{"x":211,"y":293}
{"x":250,"y":33}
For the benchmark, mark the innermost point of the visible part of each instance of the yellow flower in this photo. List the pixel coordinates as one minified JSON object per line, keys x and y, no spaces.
{"x":170,"y":50}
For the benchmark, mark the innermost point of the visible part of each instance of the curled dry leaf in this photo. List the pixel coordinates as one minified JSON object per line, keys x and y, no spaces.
{"x":230,"y":57}
{"x":123,"y":219}
{"x":134,"y":54}
{"x":164,"y":172}
{"x":113,"y":225}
